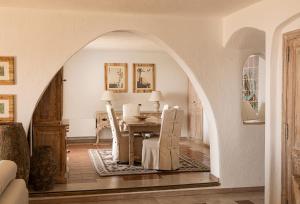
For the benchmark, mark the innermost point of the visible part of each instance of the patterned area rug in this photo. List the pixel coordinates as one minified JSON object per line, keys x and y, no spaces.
{"x":102,"y":161}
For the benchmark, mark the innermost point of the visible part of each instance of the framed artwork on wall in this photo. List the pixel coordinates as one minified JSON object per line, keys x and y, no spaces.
{"x":7,"y":108}
{"x":143,"y":78}
{"x":7,"y":70}
{"x":116,"y":76}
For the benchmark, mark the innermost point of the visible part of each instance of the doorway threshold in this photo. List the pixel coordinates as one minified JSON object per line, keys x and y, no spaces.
{"x":132,"y":183}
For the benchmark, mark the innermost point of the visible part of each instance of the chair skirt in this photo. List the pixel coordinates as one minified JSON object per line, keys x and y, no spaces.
{"x":120,"y":151}
{"x":160,"y":159}
{"x":150,"y":154}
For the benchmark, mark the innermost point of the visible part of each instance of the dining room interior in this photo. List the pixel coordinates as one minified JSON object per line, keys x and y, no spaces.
{"x":129,"y":117}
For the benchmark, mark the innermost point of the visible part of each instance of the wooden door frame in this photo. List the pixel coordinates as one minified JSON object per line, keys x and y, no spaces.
{"x":288,"y":105}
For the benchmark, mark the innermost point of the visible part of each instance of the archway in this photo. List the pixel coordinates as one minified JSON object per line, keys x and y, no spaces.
{"x":206,"y":105}
{"x":274,"y":185}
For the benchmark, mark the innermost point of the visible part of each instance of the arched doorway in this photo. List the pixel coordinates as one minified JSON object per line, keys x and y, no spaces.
{"x":211,"y":130}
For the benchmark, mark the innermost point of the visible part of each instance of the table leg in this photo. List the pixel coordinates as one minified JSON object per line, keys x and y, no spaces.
{"x":131,"y":148}
{"x":98,"y":136}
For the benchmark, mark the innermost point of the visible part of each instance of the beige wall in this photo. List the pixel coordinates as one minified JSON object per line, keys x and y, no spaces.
{"x":44,"y":40}
{"x":275,"y":17}
{"x":84,"y":73}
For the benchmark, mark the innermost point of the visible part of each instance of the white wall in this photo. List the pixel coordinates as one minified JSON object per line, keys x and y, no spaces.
{"x":84,"y":73}
{"x":43,"y":40}
{"x":275,"y":17}
{"x":205,"y":129}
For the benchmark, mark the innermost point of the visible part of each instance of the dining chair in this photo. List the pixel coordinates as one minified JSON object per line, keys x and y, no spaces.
{"x":162,"y":153}
{"x":120,"y":140}
{"x":130,"y":110}
{"x":165,"y":107}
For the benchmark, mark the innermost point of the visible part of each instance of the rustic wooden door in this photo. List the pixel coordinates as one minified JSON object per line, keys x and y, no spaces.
{"x":291,"y":118}
{"x":195,"y":114}
{"x":47,"y":124}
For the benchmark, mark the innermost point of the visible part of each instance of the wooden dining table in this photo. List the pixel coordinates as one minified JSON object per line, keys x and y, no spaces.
{"x":134,"y":125}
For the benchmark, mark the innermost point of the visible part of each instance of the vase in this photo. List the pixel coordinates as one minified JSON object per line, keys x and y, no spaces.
{"x":43,"y":169}
{"x":14,"y":147}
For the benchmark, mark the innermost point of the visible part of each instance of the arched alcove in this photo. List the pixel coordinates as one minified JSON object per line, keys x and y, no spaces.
{"x":246,"y":43}
{"x":243,"y":43}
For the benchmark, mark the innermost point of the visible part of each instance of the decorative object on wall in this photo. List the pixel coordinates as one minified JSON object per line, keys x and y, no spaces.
{"x":7,"y":109}
{"x":253,"y":90}
{"x":250,"y":81}
{"x":155,"y":97}
{"x":116,"y":77}
{"x":107,"y":96}
{"x":143,"y":78}
{"x":7,"y":70}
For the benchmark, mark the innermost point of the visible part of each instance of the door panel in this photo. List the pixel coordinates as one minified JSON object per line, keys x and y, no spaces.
{"x":291,"y":115}
{"x":47,"y":124}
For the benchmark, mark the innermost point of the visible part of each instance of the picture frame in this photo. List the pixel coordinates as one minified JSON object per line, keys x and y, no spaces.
{"x":116,"y":77}
{"x":7,"y":108}
{"x":7,"y":70}
{"x":144,"y":78}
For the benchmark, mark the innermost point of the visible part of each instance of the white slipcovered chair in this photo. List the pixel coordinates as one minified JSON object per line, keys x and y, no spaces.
{"x":120,"y":142}
{"x":165,"y":107}
{"x":130,"y":110}
{"x":12,"y":190}
{"x":162,"y":153}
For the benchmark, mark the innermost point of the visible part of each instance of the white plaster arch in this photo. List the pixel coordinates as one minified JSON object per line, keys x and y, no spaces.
{"x":274,"y":17}
{"x":247,"y":38}
{"x":245,"y":42}
{"x":276,"y":64}
{"x":213,"y":131}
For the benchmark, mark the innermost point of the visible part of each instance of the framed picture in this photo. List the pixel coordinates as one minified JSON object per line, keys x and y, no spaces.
{"x":143,"y":78}
{"x":7,"y":70}
{"x":116,"y":77}
{"x":7,"y":108}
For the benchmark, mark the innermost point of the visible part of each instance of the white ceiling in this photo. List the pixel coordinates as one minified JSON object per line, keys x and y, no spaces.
{"x":168,"y":7}
{"x":120,"y":40}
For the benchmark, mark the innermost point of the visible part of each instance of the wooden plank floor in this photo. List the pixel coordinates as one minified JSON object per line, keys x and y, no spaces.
{"x":85,"y":186}
{"x":189,"y":196}
{"x":81,"y":169}
{"x":83,"y":176}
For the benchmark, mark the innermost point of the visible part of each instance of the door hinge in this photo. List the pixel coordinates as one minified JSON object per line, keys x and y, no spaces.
{"x":286,"y":131}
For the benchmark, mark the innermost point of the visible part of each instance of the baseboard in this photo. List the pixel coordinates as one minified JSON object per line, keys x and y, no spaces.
{"x":85,"y":140}
{"x":143,"y":194}
{"x":74,"y":140}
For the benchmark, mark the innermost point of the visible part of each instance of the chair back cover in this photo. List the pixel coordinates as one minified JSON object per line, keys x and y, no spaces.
{"x":169,"y":138}
{"x":130,"y":110}
{"x":165,"y":107}
{"x":116,"y":134}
